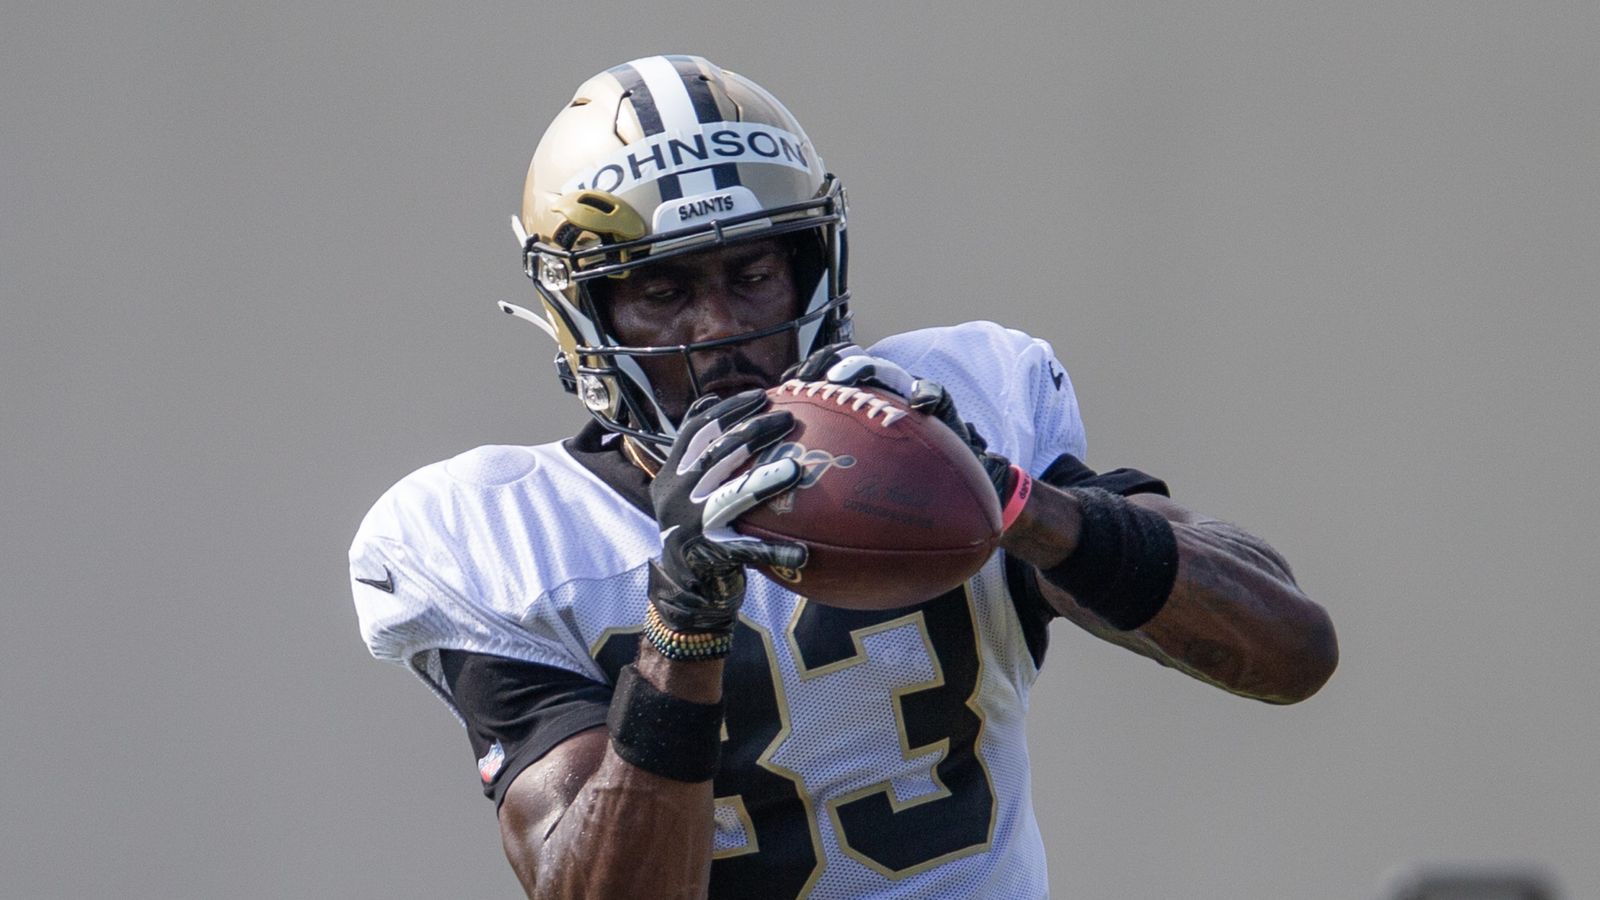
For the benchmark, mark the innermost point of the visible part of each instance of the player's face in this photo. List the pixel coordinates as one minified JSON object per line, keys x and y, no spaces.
{"x":702,"y":297}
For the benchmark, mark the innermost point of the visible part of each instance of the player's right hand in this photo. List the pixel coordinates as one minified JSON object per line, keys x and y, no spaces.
{"x":698,"y":582}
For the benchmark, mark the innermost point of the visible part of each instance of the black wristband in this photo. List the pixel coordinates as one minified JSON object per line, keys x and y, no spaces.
{"x":662,"y":734}
{"x":1125,"y":563}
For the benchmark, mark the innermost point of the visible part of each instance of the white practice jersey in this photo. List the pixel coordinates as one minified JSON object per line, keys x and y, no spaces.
{"x":867,"y":754}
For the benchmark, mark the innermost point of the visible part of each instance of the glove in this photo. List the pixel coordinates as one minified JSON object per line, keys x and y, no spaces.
{"x":847,"y":364}
{"x":698,"y":583}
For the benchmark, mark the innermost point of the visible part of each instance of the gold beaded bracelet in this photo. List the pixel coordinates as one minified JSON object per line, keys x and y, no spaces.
{"x":679,"y":645}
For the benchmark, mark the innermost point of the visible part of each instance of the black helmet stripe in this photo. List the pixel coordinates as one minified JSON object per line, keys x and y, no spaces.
{"x":726,"y":175}
{"x":644,"y":106}
{"x":705,"y":105}
{"x":672,"y":94}
{"x":705,"y":109}
{"x":644,"y":103}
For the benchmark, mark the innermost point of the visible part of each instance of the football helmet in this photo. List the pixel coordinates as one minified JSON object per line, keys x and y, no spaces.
{"x":654,"y":158}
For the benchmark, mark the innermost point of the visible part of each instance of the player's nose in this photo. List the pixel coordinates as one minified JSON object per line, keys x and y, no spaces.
{"x":717,"y":314}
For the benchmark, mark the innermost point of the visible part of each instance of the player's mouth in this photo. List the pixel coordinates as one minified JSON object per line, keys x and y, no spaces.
{"x":727,"y":387}
{"x":734,"y":373}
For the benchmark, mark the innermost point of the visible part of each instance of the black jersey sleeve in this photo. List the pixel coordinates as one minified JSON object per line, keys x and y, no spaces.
{"x":1023,"y":579}
{"x":517,"y":711}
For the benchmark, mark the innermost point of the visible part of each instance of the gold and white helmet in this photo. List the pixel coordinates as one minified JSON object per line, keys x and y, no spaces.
{"x":652,"y":159}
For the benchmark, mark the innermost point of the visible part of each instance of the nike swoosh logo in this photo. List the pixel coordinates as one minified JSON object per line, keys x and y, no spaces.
{"x":386,"y":585}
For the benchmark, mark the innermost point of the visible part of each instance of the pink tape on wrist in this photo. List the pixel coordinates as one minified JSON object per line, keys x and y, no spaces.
{"x":1018,"y":499}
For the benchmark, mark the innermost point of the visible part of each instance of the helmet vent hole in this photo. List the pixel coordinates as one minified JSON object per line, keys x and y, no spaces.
{"x":579,"y":101}
{"x":597,"y":203}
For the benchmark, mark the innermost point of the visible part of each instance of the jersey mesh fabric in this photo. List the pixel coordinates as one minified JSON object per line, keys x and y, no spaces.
{"x":479,"y":564}
{"x":524,"y":553}
{"x":1004,"y":382}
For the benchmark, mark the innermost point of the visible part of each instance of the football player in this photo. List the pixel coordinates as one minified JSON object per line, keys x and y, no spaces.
{"x":651,"y":719}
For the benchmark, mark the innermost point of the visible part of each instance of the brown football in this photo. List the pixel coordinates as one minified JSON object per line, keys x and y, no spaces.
{"x":893,"y":505}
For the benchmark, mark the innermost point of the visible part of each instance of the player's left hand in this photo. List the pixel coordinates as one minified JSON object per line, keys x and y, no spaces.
{"x":848,"y":364}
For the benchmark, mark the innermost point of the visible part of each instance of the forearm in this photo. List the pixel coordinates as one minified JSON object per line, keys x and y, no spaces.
{"x":629,"y":833}
{"x":1234,"y":617}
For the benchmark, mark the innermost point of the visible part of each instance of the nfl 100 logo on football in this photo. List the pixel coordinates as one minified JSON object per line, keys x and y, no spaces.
{"x":814,"y":464}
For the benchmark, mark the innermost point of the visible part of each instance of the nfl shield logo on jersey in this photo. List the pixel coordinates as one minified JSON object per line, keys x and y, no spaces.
{"x":489,"y":765}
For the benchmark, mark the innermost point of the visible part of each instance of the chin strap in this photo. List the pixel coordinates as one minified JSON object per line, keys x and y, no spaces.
{"x":639,"y":457}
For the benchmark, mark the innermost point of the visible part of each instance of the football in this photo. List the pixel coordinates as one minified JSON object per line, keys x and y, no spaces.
{"x":893,"y":505}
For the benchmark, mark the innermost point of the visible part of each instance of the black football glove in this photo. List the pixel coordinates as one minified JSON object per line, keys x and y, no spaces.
{"x":848,"y":364}
{"x":698,"y":583}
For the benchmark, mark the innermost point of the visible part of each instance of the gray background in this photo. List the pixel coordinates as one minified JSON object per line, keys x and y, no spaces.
{"x":1328,"y":268}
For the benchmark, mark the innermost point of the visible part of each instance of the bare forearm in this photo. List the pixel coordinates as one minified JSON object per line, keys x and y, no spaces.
{"x":1235,"y":617}
{"x":623,"y":832}
{"x":629,"y":834}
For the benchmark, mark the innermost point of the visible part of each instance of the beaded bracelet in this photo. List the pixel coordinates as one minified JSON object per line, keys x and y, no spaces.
{"x":685,"y":646}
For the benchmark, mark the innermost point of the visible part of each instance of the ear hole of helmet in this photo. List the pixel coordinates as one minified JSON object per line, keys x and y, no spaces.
{"x":591,"y":215}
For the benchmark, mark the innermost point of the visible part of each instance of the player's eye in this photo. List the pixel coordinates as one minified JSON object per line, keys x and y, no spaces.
{"x":661,"y":292}
{"x":755,"y":274}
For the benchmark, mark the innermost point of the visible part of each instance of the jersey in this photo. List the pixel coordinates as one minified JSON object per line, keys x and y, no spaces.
{"x":866,"y":754}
